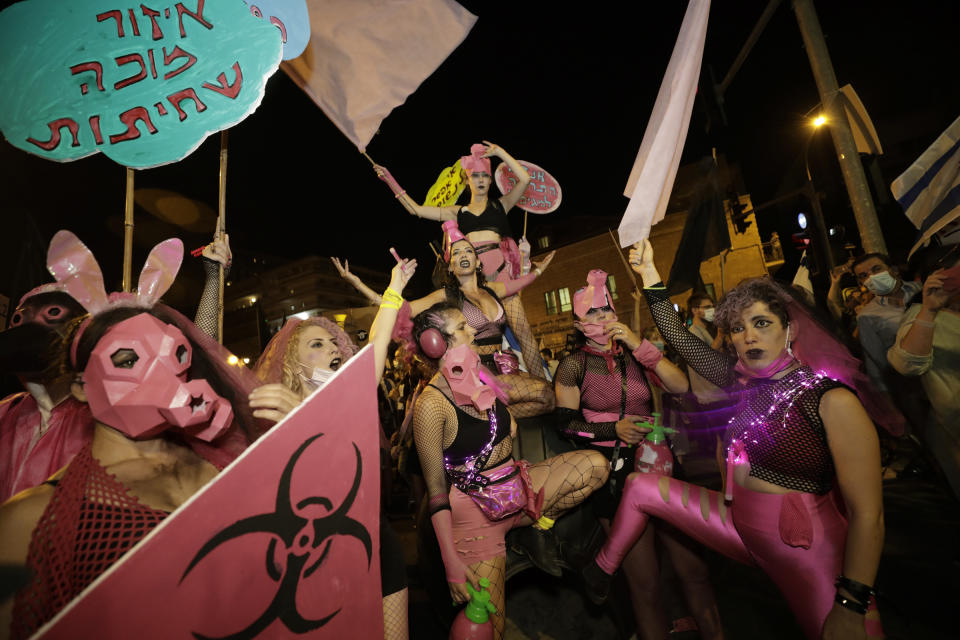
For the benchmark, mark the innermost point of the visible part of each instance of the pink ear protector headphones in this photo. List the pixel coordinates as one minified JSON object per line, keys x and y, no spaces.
{"x":432,"y":343}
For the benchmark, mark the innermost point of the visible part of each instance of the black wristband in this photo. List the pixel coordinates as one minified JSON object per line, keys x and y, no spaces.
{"x":857,"y":590}
{"x":850,"y":603}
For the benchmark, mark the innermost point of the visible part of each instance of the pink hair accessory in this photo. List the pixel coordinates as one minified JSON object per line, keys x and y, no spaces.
{"x":593,"y":296}
{"x":77,"y":273}
{"x":451,"y":235}
{"x":475,"y":162}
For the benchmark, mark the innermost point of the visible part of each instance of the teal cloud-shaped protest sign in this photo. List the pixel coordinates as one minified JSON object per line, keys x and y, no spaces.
{"x":143,"y":84}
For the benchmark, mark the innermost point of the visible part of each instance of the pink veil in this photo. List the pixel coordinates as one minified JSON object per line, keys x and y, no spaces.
{"x":819,"y":348}
{"x":269,"y":367}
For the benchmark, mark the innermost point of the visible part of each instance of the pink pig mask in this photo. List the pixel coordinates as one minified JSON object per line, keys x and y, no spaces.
{"x":461,"y":368}
{"x":594,"y":296}
{"x":475,"y":162}
{"x":153,"y":394}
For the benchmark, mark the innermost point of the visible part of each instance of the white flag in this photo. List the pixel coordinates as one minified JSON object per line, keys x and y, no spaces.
{"x":929,"y":190}
{"x":655,"y":169}
{"x":366,"y":56}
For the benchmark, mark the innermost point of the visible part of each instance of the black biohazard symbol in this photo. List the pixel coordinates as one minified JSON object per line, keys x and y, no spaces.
{"x":307,"y":542}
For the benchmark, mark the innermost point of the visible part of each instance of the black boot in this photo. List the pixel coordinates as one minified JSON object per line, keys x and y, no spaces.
{"x":541,"y":547}
{"x":596,"y":582}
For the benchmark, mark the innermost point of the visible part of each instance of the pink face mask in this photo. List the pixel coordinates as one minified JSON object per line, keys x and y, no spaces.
{"x":147,"y":392}
{"x":597,"y":331}
{"x":461,"y":368}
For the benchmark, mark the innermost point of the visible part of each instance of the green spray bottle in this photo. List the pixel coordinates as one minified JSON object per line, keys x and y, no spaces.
{"x":653,"y":452}
{"x":473,"y":622}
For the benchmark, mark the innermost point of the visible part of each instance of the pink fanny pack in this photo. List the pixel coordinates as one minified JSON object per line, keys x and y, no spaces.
{"x":509,"y":491}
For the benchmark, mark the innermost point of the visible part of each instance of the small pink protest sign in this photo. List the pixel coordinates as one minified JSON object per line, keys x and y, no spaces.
{"x":543,"y":194}
{"x":284,"y":543}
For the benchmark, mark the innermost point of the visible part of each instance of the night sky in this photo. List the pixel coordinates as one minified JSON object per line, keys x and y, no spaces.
{"x":554,"y":83}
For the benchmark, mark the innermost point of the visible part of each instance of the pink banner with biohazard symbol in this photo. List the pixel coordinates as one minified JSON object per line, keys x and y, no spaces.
{"x":284,"y":543}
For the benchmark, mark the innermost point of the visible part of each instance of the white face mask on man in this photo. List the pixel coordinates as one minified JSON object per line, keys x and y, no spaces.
{"x":708,"y":314}
{"x":881,"y":283}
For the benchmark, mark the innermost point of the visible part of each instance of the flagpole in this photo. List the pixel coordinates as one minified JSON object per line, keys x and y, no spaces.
{"x":221,"y":227}
{"x":127,"y":284}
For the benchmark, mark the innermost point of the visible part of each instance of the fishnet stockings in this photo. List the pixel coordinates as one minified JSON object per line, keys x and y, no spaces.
{"x":568,"y":479}
{"x":495,"y":570}
{"x":517,"y":319}
{"x":395,"y":625}
{"x":529,"y":396}
{"x":90,"y":522}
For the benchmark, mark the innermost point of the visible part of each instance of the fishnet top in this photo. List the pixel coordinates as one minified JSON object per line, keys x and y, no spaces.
{"x":777,"y":422}
{"x":488,"y":331}
{"x":602,"y":392}
{"x":713,"y":365}
{"x":779,"y":426}
{"x":90,"y":522}
{"x":435,"y":427}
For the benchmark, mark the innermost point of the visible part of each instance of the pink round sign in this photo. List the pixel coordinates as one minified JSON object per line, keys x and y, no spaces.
{"x":543,"y":194}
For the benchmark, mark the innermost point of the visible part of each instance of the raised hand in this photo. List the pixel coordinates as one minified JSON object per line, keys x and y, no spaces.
{"x":641,"y":261}
{"x":492,"y":150}
{"x":219,"y":251}
{"x":401,"y":274}
{"x":935,"y":297}
{"x":344,"y":270}
{"x":543,"y":264}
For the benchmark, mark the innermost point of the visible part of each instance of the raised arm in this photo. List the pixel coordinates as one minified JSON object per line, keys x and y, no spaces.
{"x":713,"y":365}
{"x":912,"y":353}
{"x":382,"y":327}
{"x":509,"y":200}
{"x":421,"y":211}
{"x":215,"y":254}
{"x":855,"y":449}
{"x":346,"y":274}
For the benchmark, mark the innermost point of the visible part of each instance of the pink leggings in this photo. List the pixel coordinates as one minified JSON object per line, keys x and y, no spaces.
{"x":797,"y":539}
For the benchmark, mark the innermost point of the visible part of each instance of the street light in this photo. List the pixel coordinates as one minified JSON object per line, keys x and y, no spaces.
{"x":819,"y":121}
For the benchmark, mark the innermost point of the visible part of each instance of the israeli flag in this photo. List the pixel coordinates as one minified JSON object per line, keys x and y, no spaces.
{"x":929,"y":190}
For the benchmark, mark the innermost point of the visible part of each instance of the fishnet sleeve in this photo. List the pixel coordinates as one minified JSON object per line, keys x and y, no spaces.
{"x":517,"y":319}
{"x":208,"y":311}
{"x":429,"y":417}
{"x":712,"y":365}
{"x":570,"y":422}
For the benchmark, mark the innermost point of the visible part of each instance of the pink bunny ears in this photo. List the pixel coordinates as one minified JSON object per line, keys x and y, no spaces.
{"x":76,"y":271}
{"x":475,"y":163}
{"x":594,"y":295}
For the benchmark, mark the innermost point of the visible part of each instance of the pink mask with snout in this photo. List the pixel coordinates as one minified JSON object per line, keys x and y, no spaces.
{"x":461,"y":368}
{"x":153,"y":394}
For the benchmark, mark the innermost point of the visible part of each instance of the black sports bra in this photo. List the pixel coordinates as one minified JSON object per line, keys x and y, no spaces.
{"x":493,"y":218}
{"x":474,"y":433}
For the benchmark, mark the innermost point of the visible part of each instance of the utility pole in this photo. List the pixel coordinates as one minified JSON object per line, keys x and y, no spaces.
{"x":847,"y":155}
